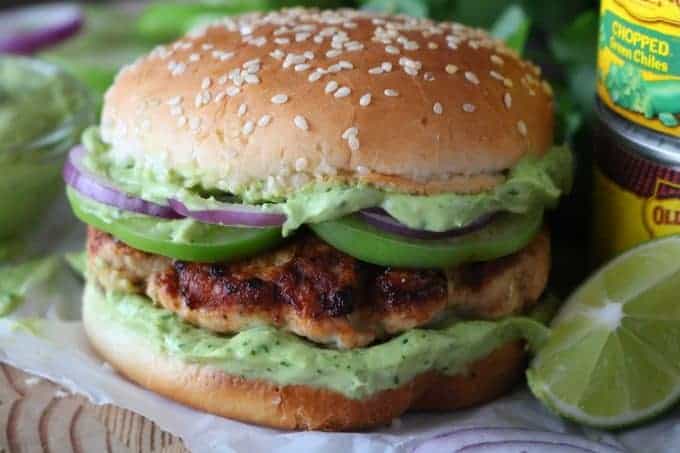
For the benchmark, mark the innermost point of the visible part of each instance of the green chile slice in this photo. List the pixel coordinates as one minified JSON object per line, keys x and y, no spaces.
{"x":184,"y":239}
{"x":505,"y":235}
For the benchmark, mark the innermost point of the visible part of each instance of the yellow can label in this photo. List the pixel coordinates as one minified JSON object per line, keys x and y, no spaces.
{"x":635,"y":200}
{"x":639,"y":61}
{"x":662,"y":210}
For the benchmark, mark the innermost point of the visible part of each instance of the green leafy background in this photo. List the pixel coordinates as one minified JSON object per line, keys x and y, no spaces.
{"x":559,"y":36}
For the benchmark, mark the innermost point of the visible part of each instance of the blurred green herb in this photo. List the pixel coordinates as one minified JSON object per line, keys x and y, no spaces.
{"x":415,"y":8}
{"x":17,"y":280}
{"x":512,"y":26}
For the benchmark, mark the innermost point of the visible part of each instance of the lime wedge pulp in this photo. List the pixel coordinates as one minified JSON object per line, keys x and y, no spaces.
{"x":613,"y":357}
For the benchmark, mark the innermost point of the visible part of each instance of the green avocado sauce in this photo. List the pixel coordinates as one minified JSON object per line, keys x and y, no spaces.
{"x":271,"y":354}
{"x":42,"y":112}
{"x":532,"y":183}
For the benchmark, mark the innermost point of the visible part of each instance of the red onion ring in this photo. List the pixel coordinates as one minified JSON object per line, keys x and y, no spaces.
{"x":379,"y":218}
{"x":27,"y":30}
{"x":500,"y":439}
{"x":97,"y":188}
{"x":231,"y":215}
{"x":523,"y":446}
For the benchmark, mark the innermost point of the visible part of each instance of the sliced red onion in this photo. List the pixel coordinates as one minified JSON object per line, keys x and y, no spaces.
{"x":99,"y":189}
{"x":524,"y":446}
{"x":379,"y":218}
{"x":507,"y":439}
{"x":27,"y":30}
{"x":231,"y":214}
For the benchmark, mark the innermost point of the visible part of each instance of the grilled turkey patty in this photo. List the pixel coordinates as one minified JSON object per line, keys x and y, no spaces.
{"x":316,"y":291}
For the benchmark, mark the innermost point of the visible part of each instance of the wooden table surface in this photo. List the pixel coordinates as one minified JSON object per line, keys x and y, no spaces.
{"x":39,"y":416}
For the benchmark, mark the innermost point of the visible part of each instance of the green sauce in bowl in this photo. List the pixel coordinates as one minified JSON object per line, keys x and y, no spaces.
{"x":43,"y":111}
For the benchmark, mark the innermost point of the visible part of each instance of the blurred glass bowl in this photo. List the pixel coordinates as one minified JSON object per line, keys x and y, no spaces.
{"x":43,"y":111}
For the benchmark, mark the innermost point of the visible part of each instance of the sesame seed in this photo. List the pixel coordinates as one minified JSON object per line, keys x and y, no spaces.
{"x":365,"y":100}
{"x":508,"y":83}
{"x":451,"y":68}
{"x":333,"y":53}
{"x":411,"y":45}
{"x":437,"y":108}
{"x":281,"y":41}
{"x":219,"y":96}
{"x":350,"y":132}
{"x":251,"y":79}
{"x":302,"y":36}
{"x":522,"y":128}
{"x":334,"y":68}
{"x":386,"y":66}
{"x":507,"y":100}
{"x":176,"y":111}
{"x":233,"y":91}
{"x":432,"y":45}
{"x":331,"y":87}
{"x":222,"y":80}
{"x":428,"y":76}
{"x":248,"y":128}
{"x":279,"y":99}
{"x":469,"y":108}
{"x":242,"y":109}
{"x":264,"y":120}
{"x":175,"y":100}
{"x":309,"y":54}
{"x":375,"y":71}
{"x":495,"y":59}
{"x":205,"y":84}
{"x":346,"y":64}
{"x":342,"y":92}
{"x":410,"y":71}
{"x":547,"y":89}
{"x":391,"y":93}
{"x":302,"y":67}
{"x":301,"y":122}
{"x":277,"y":54}
{"x":300,"y":164}
{"x":314,"y":76}
{"x":471,"y":77}
{"x":392,"y":50}
{"x":496,"y":75}
{"x":194,"y":57}
{"x":353,"y":142}
{"x":182,"y":121}
{"x":195,"y":123}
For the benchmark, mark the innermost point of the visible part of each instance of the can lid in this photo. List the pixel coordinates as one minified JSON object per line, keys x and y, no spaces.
{"x":653,"y":145}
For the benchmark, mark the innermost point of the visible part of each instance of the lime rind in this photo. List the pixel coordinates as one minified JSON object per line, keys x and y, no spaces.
{"x":610,"y":361}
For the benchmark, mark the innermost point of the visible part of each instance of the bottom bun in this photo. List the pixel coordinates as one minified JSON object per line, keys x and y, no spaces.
{"x":299,"y":406}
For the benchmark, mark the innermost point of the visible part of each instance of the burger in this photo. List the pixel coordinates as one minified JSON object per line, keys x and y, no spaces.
{"x":320,"y":219}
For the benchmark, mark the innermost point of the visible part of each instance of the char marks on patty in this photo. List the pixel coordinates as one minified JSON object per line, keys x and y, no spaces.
{"x":316,"y":291}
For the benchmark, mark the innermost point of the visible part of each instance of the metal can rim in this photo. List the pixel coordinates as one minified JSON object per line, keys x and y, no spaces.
{"x":653,"y":145}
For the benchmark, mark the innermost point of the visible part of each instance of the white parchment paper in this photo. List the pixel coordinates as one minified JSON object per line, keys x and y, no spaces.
{"x":58,"y":350}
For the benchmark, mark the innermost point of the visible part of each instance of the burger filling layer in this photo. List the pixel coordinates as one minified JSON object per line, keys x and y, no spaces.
{"x":307,"y":197}
{"x":276,"y":356}
{"x":313,"y":290}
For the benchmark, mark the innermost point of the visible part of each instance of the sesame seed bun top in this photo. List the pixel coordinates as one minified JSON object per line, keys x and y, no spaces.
{"x":284,"y":98}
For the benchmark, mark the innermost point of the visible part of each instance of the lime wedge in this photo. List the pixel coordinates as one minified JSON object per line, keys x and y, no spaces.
{"x":613,"y":357}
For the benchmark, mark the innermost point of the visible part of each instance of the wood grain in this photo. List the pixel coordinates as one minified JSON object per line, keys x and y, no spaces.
{"x":37,"y":416}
